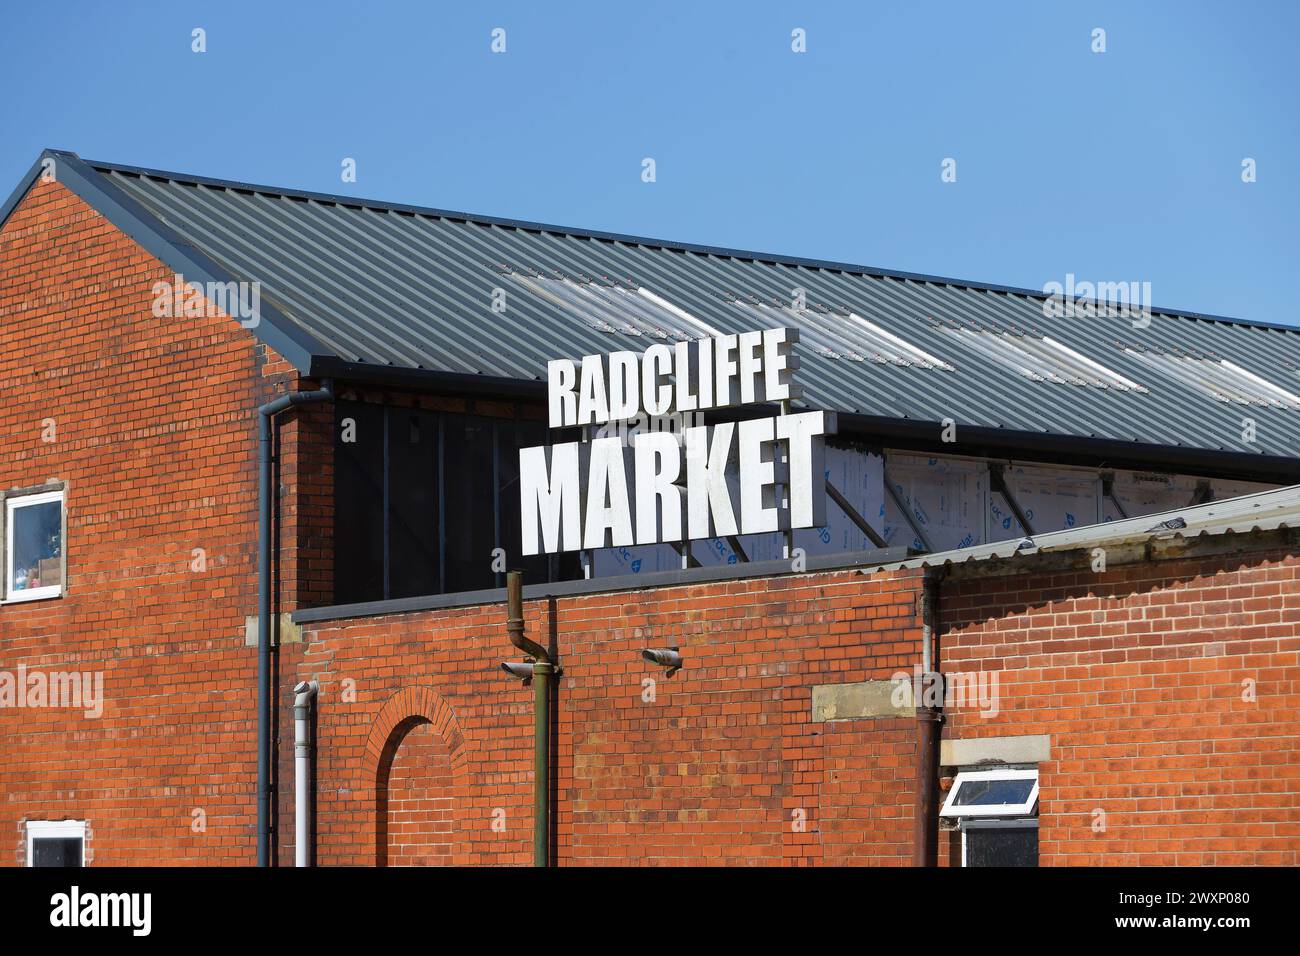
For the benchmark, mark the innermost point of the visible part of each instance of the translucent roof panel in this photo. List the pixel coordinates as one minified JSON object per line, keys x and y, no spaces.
{"x":614,"y":306}
{"x":840,"y":334}
{"x":1039,"y":357}
{"x":1218,"y":377}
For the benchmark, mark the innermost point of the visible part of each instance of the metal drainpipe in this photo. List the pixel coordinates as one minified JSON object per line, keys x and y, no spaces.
{"x":265,"y":745}
{"x":929,"y":727}
{"x":304,"y":797}
{"x":543,"y":669}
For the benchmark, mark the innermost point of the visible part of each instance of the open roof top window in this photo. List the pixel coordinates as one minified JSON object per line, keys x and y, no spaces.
{"x":838,"y":333}
{"x":1038,"y":357}
{"x":1217,"y":377}
{"x":612,"y":305}
{"x":992,"y":793}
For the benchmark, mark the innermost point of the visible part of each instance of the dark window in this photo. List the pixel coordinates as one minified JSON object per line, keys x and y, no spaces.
{"x":469,"y":502}
{"x":56,"y":851}
{"x":1001,"y":845}
{"x":358,"y":502}
{"x":422,"y":500}
{"x":511,"y":436}
{"x":413,"y":553}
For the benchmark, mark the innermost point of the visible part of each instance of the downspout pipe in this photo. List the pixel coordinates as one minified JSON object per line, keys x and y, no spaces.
{"x":929,"y":731}
{"x":304,"y":795}
{"x":543,"y":672}
{"x":265,"y":504}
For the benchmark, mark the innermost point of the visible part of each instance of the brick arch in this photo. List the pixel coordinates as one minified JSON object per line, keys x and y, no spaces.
{"x":408,"y":709}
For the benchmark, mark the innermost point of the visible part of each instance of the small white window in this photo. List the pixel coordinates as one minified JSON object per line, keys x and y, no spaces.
{"x":992,"y":793}
{"x":56,"y":843}
{"x":34,"y":546}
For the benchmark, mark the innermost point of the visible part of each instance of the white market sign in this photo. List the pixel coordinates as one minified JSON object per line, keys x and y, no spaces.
{"x":665,"y":487}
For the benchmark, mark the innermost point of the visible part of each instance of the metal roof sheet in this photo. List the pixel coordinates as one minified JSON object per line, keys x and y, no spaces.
{"x":1264,"y":511}
{"x":387,"y":286}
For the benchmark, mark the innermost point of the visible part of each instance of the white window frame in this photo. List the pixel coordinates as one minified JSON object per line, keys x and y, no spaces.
{"x":1022,"y":823}
{"x":13,"y":503}
{"x":55,"y":830}
{"x":1025,"y":809}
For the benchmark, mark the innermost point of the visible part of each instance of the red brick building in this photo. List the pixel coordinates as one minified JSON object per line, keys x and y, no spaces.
{"x":1135,"y":665}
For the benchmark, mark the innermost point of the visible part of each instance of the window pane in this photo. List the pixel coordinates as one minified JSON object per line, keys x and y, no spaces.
{"x":986,"y":793}
{"x":37,"y":546}
{"x":358,"y":502}
{"x":468,"y":502}
{"x":511,"y":436}
{"x":412,"y":502}
{"x":56,"y":851}
{"x":1002,"y":846}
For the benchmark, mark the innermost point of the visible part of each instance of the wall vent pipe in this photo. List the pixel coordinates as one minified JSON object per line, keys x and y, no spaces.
{"x":304,"y":790}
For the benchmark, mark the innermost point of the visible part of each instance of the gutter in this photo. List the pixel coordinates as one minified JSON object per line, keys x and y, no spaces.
{"x":267,"y":431}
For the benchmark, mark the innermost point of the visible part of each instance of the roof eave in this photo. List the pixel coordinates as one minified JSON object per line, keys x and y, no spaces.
{"x":166,"y":245}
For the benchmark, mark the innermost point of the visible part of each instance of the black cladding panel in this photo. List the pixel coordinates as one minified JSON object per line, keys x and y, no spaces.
{"x":1002,"y":846}
{"x":56,"y":851}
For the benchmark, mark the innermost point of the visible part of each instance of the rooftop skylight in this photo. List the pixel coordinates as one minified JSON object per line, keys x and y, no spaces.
{"x":613,"y":305}
{"x":1217,"y":377}
{"x":840,"y":334}
{"x":1037,"y":357}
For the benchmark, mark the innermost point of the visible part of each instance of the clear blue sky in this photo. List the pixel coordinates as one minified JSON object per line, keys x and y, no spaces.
{"x":1118,"y":166}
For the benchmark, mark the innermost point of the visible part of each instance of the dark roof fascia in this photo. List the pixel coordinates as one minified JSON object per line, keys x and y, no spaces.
{"x":423,"y":379}
{"x":719,"y":251}
{"x":176,"y":252}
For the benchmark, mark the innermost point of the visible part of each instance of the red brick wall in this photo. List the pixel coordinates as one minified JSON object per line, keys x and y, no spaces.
{"x":719,"y":763}
{"x":1138,"y":674}
{"x":155,"y":437}
{"x":416,"y":785}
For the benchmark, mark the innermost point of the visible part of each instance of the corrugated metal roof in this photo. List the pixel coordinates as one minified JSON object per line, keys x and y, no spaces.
{"x":388,"y":286}
{"x":1265,"y":511}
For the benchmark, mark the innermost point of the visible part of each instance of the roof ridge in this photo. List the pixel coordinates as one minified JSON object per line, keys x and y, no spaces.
{"x":649,"y":242}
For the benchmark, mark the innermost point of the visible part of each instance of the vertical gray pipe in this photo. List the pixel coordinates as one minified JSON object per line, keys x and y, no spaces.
{"x":304,"y":797}
{"x":265,"y":749}
{"x":929,"y":733}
